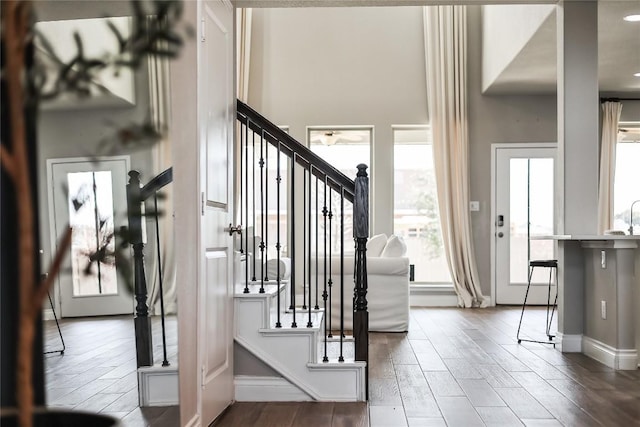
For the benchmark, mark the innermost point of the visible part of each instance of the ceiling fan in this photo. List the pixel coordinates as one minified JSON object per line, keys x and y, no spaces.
{"x":330,"y":137}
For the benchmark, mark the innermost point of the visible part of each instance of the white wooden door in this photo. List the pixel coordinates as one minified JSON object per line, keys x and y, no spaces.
{"x":217,"y":121}
{"x":524,"y":194}
{"x":89,"y":196}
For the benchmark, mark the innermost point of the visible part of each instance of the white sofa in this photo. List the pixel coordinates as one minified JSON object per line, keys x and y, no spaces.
{"x":388,"y":288}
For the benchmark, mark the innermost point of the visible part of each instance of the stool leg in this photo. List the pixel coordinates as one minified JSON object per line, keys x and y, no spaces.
{"x":548,"y":303}
{"x":524,"y":304}
{"x":553,"y":309}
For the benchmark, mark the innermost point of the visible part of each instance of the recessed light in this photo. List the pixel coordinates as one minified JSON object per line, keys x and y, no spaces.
{"x":632,"y":18}
{"x":636,"y":75}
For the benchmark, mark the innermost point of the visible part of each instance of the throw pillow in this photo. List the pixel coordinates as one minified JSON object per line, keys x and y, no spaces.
{"x":394,"y":248}
{"x":376,"y":244}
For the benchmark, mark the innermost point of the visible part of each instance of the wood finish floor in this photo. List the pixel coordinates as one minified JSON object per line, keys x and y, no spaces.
{"x":453,"y":368}
{"x":97,"y":372}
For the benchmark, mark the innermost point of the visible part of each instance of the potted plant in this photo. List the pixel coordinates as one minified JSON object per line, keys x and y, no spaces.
{"x":23,"y":88}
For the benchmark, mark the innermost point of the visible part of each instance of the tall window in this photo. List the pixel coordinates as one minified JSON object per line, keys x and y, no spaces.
{"x":416,"y":217}
{"x":344,"y":149}
{"x":627,"y":177}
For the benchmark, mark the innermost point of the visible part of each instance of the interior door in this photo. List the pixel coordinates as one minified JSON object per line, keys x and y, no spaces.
{"x":217,"y":121}
{"x":524,"y":194}
{"x":89,"y":196}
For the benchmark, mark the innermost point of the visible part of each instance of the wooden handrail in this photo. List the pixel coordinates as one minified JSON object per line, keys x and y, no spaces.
{"x":159,"y":181}
{"x":289,"y":145}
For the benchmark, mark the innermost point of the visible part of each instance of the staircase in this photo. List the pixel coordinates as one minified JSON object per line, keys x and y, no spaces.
{"x":297,"y":353}
{"x":291,"y":198}
{"x":294,"y":207}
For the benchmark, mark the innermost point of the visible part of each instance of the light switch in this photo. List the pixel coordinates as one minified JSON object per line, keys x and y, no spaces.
{"x":474,"y":206}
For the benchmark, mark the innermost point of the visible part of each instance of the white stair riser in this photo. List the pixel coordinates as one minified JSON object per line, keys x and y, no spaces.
{"x":293,"y":353}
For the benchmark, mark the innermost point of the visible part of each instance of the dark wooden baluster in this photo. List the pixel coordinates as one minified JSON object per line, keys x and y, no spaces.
{"x":262,"y":198}
{"x":278,"y":181}
{"x":292,"y":218}
{"x":265,"y":212}
{"x":330,"y":281}
{"x":142,"y":323}
{"x":308,"y":260}
{"x":246,"y":211}
{"x":243,"y":132}
{"x":325,"y":296}
{"x":165,"y":362}
{"x":361,"y":233}
{"x":341,"y":357}
{"x":253,"y":205}
{"x":317,"y":306}
{"x":304,"y":239}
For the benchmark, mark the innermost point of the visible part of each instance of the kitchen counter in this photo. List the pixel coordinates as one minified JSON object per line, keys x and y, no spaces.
{"x":599,"y":286}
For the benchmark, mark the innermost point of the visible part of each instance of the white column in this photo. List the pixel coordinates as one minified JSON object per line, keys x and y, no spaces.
{"x":578,"y":150}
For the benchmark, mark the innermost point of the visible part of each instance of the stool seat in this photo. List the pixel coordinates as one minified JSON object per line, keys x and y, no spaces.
{"x":551,"y":263}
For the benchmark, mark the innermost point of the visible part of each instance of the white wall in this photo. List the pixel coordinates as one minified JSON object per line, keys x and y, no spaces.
{"x":506,"y":29}
{"x":342,"y":66}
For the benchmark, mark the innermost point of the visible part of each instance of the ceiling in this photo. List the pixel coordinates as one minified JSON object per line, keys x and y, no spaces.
{"x":534,"y":69}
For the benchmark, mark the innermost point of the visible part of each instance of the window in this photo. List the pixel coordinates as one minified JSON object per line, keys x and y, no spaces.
{"x":416,"y":217}
{"x":627,"y":177}
{"x":343,"y":148}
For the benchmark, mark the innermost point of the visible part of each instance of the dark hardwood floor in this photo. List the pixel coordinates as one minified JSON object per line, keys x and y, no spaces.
{"x":97,"y":372}
{"x":453,"y":368}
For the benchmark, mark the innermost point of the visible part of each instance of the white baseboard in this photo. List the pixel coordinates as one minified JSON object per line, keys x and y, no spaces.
{"x":267,"y":389}
{"x":432,"y":296}
{"x":158,"y":386}
{"x":612,"y":357}
{"x":569,"y":343}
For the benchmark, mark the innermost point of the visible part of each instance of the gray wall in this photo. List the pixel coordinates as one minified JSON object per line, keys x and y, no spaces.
{"x":349,"y":66}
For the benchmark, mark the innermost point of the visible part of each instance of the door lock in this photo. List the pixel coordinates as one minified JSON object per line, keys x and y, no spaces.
{"x":231,"y":229}
{"x":500,"y":222}
{"x":500,"y":234}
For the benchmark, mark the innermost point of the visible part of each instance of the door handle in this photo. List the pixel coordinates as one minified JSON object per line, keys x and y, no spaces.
{"x":231,"y":229}
{"x":500,"y":222}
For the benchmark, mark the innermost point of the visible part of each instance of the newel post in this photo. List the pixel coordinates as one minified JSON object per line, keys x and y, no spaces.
{"x":360,"y":234}
{"x":142,"y":322}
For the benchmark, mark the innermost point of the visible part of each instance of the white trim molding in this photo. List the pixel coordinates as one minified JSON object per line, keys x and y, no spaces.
{"x":612,"y":357}
{"x":158,"y":386}
{"x":272,"y":389}
{"x":570,"y":343}
{"x":432,"y":296}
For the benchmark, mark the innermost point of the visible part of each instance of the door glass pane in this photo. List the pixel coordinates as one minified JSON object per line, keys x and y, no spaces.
{"x":626,"y":188}
{"x":92,"y":243}
{"x":530,"y":214}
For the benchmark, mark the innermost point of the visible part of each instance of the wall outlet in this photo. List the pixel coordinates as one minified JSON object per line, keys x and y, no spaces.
{"x":603,"y":308}
{"x":474,"y":206}
{"x":603,"y":259}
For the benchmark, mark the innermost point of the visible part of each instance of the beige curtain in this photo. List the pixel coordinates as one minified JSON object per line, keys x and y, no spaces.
{"x":445,"y":33}
{"x":243,"y":52}
{"x":158,"y":111}
{"x":610,"y":118}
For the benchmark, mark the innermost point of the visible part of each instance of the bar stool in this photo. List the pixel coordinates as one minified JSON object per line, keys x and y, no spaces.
{"x":552,"y":265}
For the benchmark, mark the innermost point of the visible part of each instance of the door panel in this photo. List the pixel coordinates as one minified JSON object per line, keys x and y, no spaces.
{"x":90,"y":197}
{"x":524,"y":188}
{"x":216,"y":133}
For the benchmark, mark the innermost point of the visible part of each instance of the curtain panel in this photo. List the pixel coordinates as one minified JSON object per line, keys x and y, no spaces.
{"x":610,"y":118}
{"x":445,"y":34}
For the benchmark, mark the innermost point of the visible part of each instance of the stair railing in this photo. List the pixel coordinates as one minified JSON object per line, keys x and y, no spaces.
{"x":324,"y":191}
{"x":136,"y":197}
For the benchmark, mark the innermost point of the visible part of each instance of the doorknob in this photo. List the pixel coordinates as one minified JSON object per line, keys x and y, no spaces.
{"x":500,"y":234}
{"x":231,"y":229}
